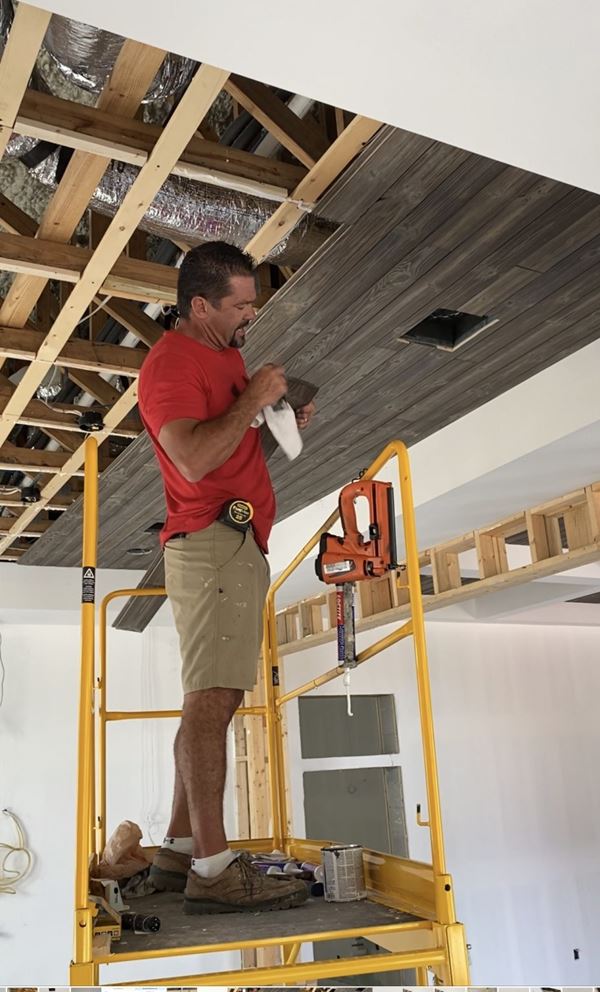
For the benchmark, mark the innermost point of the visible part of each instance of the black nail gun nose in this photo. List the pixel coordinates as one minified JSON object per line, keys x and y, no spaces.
{"x":352,"y":557}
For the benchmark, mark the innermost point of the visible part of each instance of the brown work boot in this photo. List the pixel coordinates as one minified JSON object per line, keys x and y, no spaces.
{"x":168,"y":872}
{"x":241,"y":888}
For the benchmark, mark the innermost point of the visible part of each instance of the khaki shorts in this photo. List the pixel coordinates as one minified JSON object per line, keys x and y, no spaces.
{"x":217,"y":581}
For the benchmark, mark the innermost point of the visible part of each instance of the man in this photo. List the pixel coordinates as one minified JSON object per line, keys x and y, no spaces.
{"x":198,"y":406}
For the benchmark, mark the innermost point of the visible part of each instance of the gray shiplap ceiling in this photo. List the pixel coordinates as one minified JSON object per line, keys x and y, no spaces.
{"x":422,"y":226}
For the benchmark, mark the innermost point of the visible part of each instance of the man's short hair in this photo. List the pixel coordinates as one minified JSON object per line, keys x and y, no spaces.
{"x":206,"y":271}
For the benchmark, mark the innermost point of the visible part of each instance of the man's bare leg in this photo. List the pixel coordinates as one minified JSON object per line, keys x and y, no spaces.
{"x":179,"y":825}
{"x":201,"y":764}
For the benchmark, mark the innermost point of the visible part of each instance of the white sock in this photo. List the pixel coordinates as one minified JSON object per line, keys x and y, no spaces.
{"x":214,"y":865}
{"x":181,"y":845}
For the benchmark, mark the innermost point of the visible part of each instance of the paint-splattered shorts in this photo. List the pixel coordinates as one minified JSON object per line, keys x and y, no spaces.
{"x":217,"y":580}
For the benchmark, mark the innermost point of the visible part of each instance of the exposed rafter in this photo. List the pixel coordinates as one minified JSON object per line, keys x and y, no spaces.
{"x":91,"y":130}
{"x":13,"y":220}
{"x":32,"y":461}
{"x":351,"y":141}
{"x":76,"y":354}
{"x":62,"y":416}
{"x":15,"y":503}
{"x":129,"y":278}
{"x":300,"y":136}
{"x":22,"y":47}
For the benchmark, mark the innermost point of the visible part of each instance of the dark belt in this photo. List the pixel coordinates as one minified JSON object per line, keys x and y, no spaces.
{"x":232,"y":515}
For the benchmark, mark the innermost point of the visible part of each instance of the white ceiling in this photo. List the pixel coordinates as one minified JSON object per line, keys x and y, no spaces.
{"x":516,"y":81}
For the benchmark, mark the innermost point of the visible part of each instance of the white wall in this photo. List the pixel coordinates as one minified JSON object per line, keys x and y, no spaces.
{"x":518,"y":743}
{"x":515,"y":81}
{"x":38,"y":746}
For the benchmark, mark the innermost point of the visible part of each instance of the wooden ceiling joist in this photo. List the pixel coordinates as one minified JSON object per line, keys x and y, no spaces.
{"x":102,"y":391}
{"x":301,"y":136}
{"x":13,"y":220}
{"x":35,"y":529}
{"x":129,"y":278}
{"x":350,"y":142}
{"x":134,"y":320}
{"x":91,"y":130}
{"x":76,"y":354}
{"x":21,"y":51}
{"x":14,"y":502}
{"x":31,"y":461}
{"x":62,"y":416}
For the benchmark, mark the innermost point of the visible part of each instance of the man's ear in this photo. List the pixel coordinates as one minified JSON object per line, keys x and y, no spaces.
{"x":199,"y":306}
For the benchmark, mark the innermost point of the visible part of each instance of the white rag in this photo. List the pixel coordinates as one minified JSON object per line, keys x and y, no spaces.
{"x":281,"y":421}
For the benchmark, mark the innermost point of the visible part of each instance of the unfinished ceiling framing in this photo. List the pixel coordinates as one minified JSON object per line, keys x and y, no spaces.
{"x":401,"y":228}
{"x":45,"y":319}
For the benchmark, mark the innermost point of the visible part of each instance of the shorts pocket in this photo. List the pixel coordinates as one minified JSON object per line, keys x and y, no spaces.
{"x":228,"y":543}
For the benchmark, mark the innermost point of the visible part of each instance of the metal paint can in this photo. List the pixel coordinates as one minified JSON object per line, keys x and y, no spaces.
{"x":344,"y":873}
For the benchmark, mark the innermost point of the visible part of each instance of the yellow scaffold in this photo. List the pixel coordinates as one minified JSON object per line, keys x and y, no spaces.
{"x":427,"y":938}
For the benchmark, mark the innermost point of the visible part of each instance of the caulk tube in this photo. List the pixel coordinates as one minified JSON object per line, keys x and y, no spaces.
{"x":341,"y":626}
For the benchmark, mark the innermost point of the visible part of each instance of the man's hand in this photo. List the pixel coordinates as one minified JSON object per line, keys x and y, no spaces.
{"x":304,"y":415}
{"x":267,"y":385}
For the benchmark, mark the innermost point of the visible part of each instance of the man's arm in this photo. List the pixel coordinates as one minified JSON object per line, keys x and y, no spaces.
{"x":197,"y":447}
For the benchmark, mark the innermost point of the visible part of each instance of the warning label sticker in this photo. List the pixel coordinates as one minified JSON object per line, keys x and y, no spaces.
{"x":88,"y":585}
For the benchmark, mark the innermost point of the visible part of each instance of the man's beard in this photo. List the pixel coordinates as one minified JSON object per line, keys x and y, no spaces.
{"x":237,"y":342}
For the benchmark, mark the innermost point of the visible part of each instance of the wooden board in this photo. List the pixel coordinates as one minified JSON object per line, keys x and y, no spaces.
{"x":301,"y":137}
{"x":314,"y":916}
{"x":109,"y":135}
{"x":18,"y":60}
{"x":133,"y":279}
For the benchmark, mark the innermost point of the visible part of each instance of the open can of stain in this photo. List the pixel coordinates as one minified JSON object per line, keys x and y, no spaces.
{"x":344,"y":873}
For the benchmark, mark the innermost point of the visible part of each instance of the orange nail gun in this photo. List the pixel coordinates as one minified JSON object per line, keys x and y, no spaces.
{"x":351,"y":558}
{"x":348,"y":559}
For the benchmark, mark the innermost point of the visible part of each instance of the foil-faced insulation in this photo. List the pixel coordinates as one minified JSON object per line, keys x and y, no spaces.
{"x":192,"y":212}
{"x":86,"y":56}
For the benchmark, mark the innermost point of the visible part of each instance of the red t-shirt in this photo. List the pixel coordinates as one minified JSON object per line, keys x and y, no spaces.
{"x":182,"y":379}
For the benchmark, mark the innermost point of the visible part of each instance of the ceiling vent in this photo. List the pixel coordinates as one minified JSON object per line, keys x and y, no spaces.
{"x":448,"y":330}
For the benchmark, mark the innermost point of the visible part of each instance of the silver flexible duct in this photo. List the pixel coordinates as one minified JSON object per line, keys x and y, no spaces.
{"x":86,"y":55}
{"x":192,"y":212}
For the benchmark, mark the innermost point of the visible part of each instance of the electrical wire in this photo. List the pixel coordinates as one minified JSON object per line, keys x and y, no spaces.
{"x":93,"y":313}
{"x":10,"y":877}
